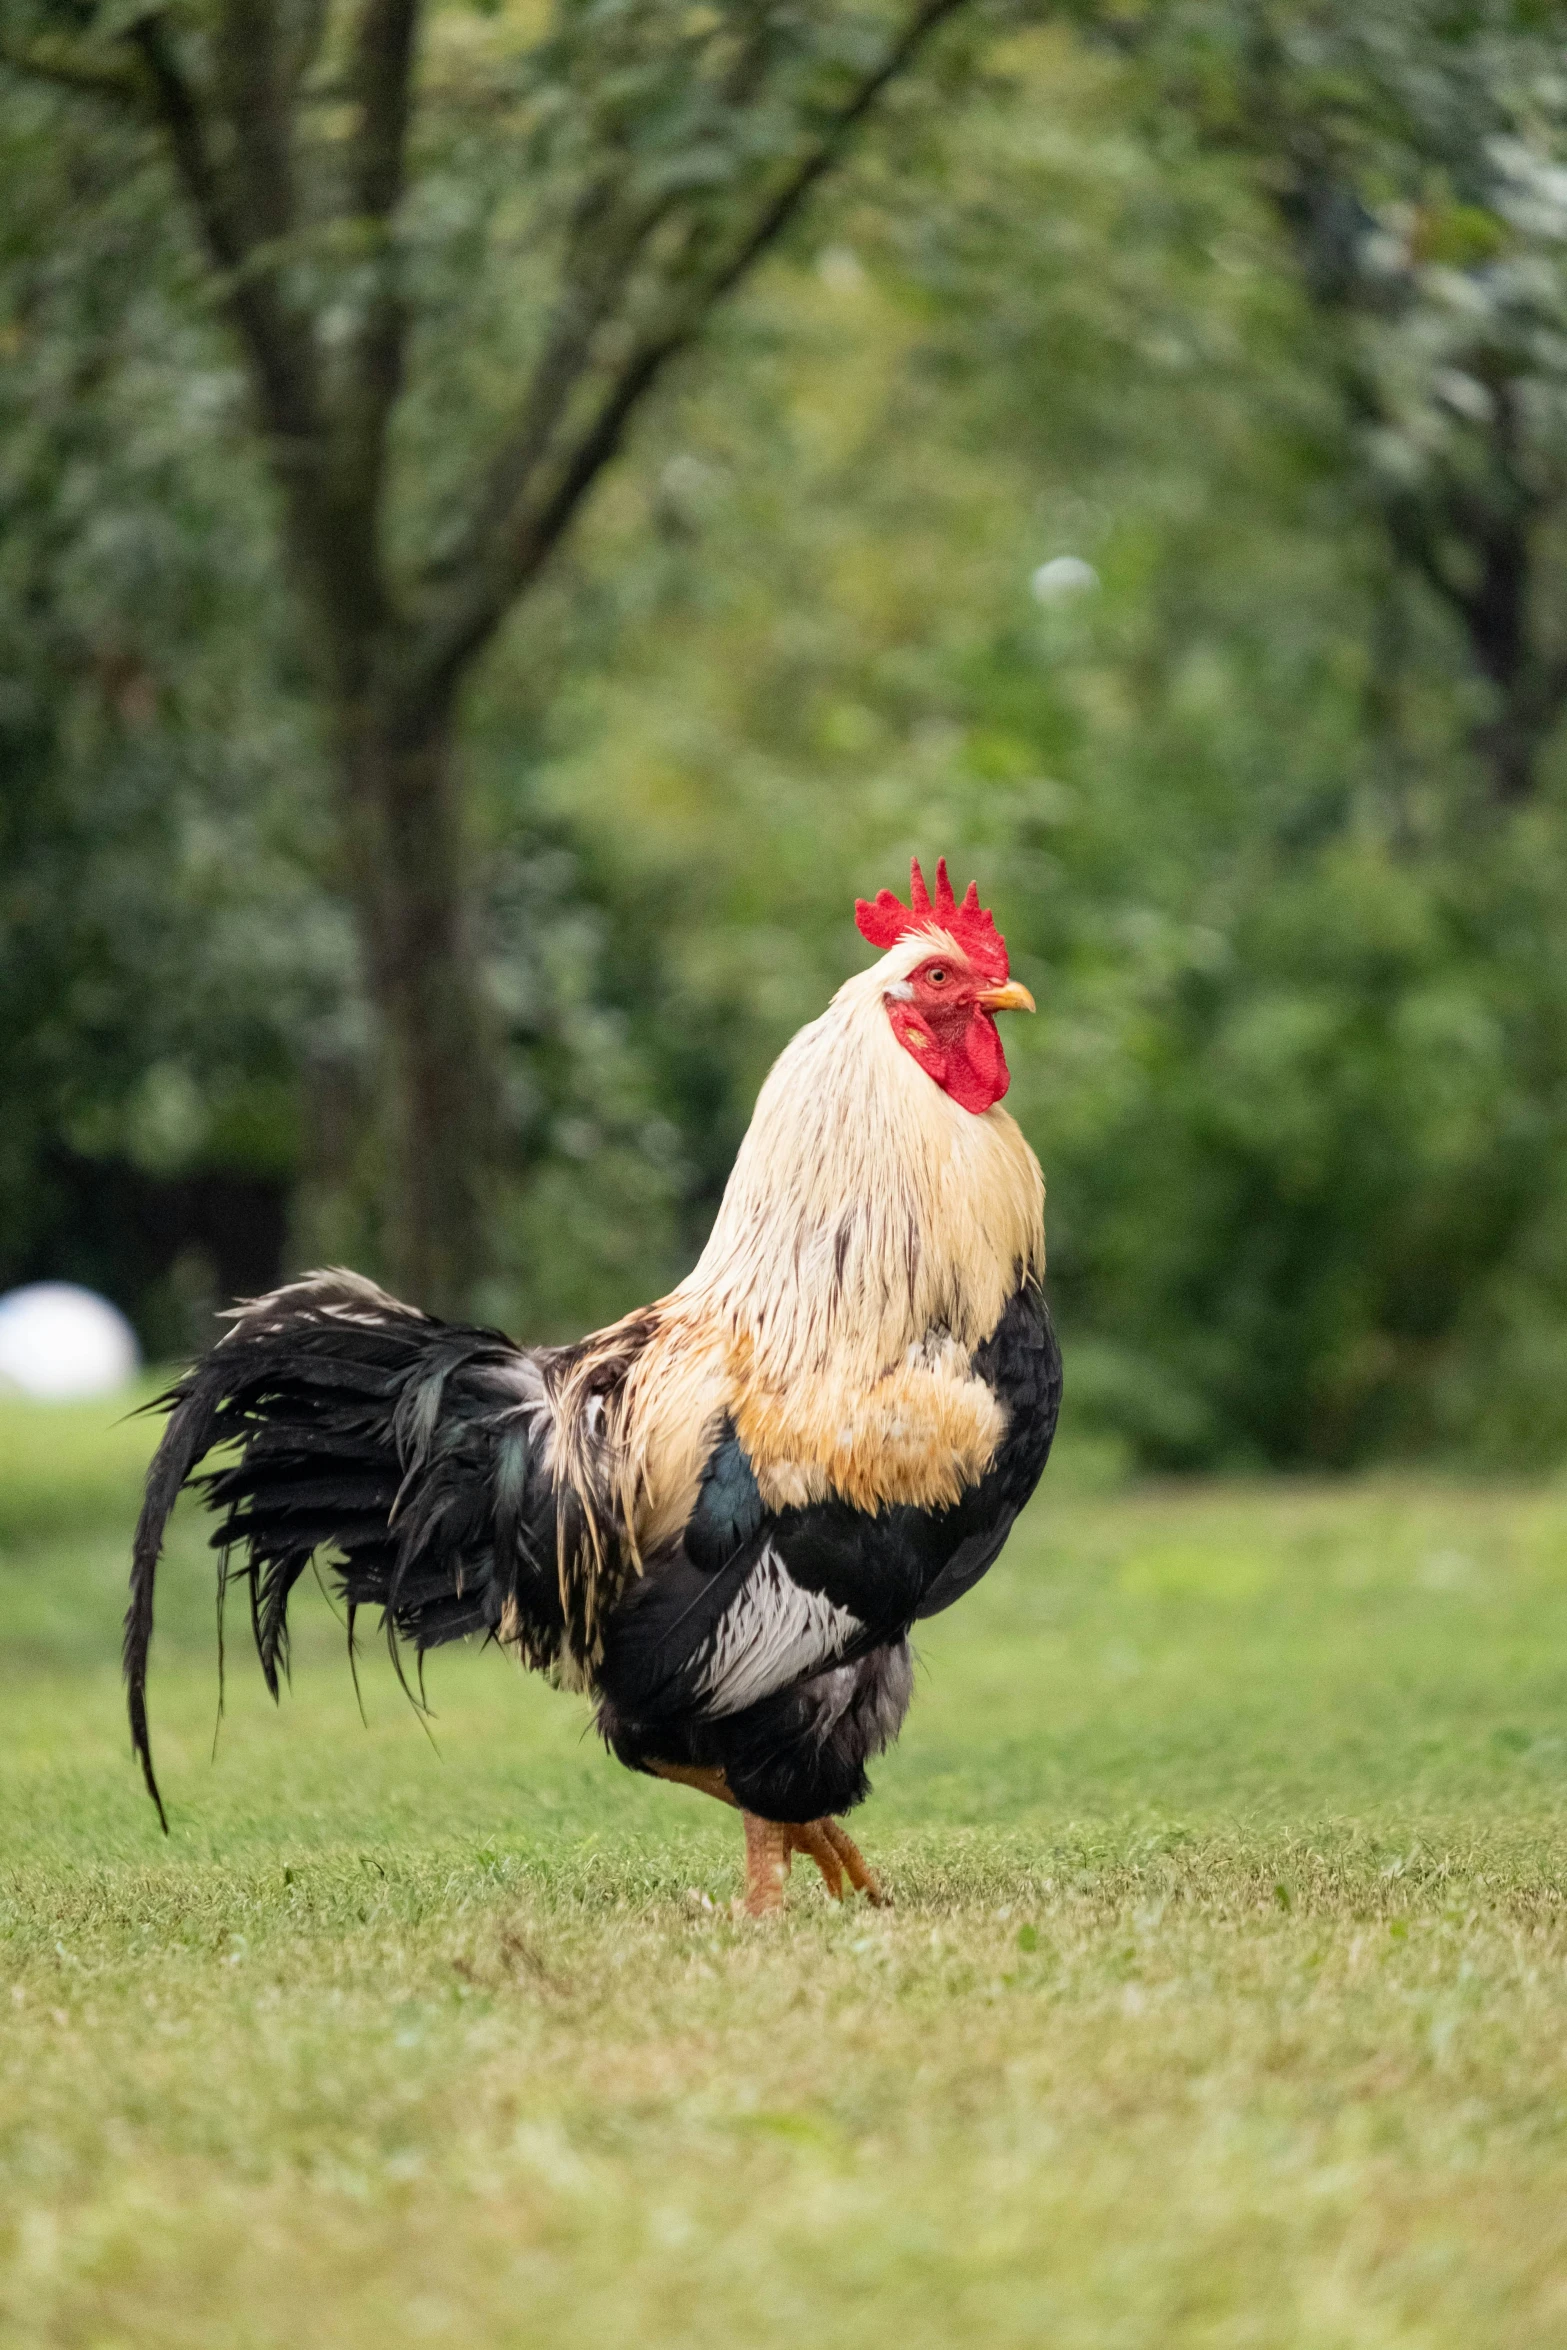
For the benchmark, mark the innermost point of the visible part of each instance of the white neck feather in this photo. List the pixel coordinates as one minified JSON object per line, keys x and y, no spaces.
{"x":866,"y":1210}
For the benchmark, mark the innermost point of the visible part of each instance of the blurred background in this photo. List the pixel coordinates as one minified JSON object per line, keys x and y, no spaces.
{"x":1132,"y":462}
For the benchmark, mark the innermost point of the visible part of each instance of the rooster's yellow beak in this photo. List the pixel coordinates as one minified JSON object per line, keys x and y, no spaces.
{"x":1014,"y":997}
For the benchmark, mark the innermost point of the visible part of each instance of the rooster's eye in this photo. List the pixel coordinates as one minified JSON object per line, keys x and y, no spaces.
{"x":936,"y":975}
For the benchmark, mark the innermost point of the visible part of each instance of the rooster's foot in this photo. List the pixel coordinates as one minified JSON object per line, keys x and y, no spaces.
{"x":856,"y":1867}
{"x":770,"y":1847}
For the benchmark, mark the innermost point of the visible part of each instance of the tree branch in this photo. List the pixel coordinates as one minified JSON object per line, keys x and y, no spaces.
{"x":252,"y":96}
{"x":299,"y":54}
{"x":515,"y":534}
{"x":600,"y":260}
{"x":280,"y":362}
{"x":49,"y":57}
{"x":381,"y":74}
{"x":247,"y":218}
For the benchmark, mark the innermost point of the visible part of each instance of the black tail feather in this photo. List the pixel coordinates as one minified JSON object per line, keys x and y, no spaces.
{"x":186,"y":1440}
{"x":399,"y":1446}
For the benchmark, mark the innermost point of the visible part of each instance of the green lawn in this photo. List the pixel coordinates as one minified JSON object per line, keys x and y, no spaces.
{"x":1224,"y":2001}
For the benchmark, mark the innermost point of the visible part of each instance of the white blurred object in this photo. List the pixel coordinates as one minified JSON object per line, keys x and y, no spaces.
{"x":1063,"y":577}
{"x":840,"y":269}
{"x":60,"y":1343}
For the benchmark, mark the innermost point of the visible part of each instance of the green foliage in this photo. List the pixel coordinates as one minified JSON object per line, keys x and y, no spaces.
{"x":1298,"y":1079}
{"x":1416,"y":155}
{"x":1297,"y":1083}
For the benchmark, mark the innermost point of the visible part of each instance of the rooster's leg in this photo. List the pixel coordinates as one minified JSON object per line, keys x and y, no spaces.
{"x":837,"y":1855}
{"x":708,"y":1780}
{"x":769,"y":1849}
{"x":859,"y":1871}
{"x":810,"y":1837}
{"x":770,"y":1846}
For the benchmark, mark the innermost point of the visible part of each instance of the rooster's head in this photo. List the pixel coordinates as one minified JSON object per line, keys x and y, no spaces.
{"x":946,"y":978}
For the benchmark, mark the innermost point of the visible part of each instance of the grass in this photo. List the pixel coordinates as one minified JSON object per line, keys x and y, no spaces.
{"x":1224,"y":2002}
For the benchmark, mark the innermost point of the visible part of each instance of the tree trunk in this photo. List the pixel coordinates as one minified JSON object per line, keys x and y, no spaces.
{"x":403,"y":832}
{"x":1509,"y":745}
{"x":1496,"y":614}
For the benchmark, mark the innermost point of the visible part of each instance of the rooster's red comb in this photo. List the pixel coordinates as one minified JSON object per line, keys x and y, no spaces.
{"x":885,"y":919}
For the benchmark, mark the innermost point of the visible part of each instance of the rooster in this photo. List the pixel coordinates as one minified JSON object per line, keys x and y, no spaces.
{"x":722,"y":1516}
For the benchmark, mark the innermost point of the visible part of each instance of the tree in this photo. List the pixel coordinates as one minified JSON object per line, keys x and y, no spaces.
{"x":168,"y":959}
{"x":1418,"y":157}
{"x":1299,"y":1082}
{"x":455,"y":259}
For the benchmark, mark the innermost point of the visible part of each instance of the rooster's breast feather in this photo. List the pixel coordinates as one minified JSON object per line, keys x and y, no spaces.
{"x":756,"y":1598}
